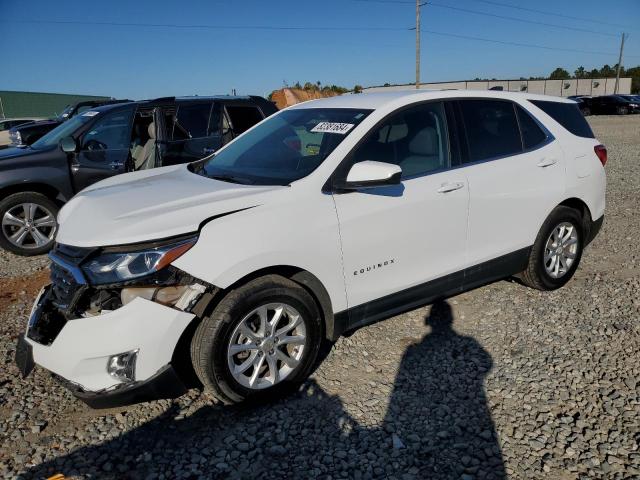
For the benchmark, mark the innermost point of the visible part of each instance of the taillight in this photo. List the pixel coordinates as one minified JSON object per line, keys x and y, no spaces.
{"x":601,"y":152}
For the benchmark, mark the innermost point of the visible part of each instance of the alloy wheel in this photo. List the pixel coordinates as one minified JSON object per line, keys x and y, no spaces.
{"x":29,"y":225}
{"x":266,"y":346}
{"x":561,"y":250}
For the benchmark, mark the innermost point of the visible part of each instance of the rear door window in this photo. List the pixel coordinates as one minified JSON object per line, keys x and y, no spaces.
{"x":191,"y":121}
{"x":243,"y":117}
{"x":491,"y":128}
{"x":568,"y":115}
{"x":532,"y":135}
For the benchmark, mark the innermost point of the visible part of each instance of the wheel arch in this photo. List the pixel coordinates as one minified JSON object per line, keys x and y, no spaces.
{"x":47,"y":190}
{"x":583,"y":209}
{"x":303,"y":277}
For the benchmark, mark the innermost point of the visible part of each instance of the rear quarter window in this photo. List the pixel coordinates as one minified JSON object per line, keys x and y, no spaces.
{"x":568,"y":115}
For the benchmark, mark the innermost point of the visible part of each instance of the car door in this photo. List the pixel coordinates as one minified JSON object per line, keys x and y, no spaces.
{"x":516,"y":176}
{"x":103,"y":148}
{"x":190,"y":133}
{"x":401,"y":241}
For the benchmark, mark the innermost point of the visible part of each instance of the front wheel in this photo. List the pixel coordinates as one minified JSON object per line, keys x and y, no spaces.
{"x":261,"y":339}
{"x":557,"y":251}
{"x":28,"y":223}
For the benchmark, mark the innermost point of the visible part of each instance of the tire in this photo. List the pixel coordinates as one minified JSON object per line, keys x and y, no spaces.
{"x":30,"y":238}
{"x":536,"y":275}
{"x":212,"y":340}
{"x":586,"y":112}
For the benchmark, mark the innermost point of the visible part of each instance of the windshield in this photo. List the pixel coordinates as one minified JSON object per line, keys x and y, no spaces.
{"x":284,"y":148}
{"x":65,"y":113}
{"x":63,"y":130}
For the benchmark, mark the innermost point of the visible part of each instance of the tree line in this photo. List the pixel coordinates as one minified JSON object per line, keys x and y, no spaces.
{"x":605,"y":72}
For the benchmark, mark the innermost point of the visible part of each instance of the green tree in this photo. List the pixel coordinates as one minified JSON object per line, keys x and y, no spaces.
{"x":357,"y":89}
{"x":559,"y":74}
{"x":580,"y":72}
{"x":607,"y":72}
{"x":634,"y":73}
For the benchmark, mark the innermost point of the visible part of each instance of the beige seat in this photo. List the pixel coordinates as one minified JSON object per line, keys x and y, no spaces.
{"x":145,"y":157}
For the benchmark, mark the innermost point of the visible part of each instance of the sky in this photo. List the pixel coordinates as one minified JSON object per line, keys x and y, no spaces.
{"x":151,"y":48}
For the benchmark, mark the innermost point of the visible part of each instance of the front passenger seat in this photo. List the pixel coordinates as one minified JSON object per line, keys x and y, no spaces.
{"x":424,"y":153}
{"x":147,"y":158}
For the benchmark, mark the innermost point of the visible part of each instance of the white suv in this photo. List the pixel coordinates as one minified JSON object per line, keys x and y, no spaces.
{"x":325,"y":217}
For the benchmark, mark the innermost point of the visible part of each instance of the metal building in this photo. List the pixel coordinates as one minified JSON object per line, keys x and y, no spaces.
{"x":560,"y":88}
{"x":35,"y":104}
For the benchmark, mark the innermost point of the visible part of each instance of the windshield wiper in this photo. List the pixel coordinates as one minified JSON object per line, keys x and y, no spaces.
{"x":231,"y":179}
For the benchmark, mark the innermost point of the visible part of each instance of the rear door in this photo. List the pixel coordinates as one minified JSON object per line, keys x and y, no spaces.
{"x":104,"y":147}
{"x":191,"y":132}
{"x":515,"y":173}
{"x":240,"y":117}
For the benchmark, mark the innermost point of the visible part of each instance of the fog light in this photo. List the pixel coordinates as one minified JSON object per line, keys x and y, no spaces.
{"x":123,"y":366}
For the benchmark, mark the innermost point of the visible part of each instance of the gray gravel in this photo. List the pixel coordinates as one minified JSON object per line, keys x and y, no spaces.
{"x":501,"y":382}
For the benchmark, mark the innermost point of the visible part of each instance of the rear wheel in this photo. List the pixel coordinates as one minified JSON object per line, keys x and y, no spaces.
{"x":28,"y":223}
{"x":261,"y":339}
{"x":557,"y":251}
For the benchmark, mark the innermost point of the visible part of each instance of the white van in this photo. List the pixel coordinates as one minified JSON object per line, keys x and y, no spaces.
{"x":323,"y":218}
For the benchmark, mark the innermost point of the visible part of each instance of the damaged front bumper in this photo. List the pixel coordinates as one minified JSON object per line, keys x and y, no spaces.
{"x":79,"y":351}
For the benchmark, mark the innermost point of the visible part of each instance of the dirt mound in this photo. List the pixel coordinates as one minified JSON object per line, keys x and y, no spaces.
{"x":285,"y":97}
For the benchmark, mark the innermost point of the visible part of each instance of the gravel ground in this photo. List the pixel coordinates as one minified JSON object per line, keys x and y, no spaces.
{"x":500,"y":382}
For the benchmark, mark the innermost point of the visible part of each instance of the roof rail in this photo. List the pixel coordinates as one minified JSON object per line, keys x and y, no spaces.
{"x":163,"y":99}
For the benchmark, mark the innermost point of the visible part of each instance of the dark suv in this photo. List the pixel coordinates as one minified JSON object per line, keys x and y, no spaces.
{"x":105,"y":141}
{"x":28,"y":133}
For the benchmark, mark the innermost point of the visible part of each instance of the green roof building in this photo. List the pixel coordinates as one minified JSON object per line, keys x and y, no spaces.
{"x":36,"y":104}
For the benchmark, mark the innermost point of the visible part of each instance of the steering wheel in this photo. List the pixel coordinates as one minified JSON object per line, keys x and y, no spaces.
{"x":94,"y":145}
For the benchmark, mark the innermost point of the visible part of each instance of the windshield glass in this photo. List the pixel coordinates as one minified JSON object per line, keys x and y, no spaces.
{"x":284,"y":148}
{"x":63,"y":130}
{"x":65,"y":113}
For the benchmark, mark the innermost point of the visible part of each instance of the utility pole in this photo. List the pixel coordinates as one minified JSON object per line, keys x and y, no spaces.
{"x":418,"y":44}
{"x":615,"y":88}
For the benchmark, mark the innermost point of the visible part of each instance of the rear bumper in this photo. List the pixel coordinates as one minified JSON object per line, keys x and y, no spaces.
{"x":594,"y":229}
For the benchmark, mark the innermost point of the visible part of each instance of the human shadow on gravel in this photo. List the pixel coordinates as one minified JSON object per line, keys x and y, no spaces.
{"x":438,"y":407}
{"x":436,"y":426}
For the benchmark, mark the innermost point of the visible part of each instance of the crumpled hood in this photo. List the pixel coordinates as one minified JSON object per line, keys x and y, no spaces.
{"x":150,"y":205}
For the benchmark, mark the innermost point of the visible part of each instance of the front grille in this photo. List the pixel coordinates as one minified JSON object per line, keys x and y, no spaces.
{"x":66,"y":276}
{"x":71,"y":254}
{"x":63,"y":285}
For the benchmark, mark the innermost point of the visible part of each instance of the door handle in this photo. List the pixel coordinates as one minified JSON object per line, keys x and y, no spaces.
{"x":208,"y":151}
{"x":450,"y":187}
{"x":116,"y":165}
{"x":546,"y":162}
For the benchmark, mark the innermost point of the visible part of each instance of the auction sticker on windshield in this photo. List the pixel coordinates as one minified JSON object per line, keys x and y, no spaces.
{"x":332,"y":127}
{"x":90,"y":113}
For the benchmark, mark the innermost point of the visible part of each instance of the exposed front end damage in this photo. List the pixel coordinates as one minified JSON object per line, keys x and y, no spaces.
{"x":111,"y":344}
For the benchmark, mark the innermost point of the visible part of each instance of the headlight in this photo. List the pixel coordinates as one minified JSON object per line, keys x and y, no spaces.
{"x":117,"y":267}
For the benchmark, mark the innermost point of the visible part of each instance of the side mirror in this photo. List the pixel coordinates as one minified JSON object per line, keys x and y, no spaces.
{"x":68,"y":144}
{"x":369,"y":174}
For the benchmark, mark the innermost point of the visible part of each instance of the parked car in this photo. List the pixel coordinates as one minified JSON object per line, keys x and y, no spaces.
{"x":584,"y":103}
{"x":105,"y":141}
{"x":326,"y":217}
{"x":631,"y":98}
{"x":6,"y":124}
{"x":26,"y":134}
{"x":613,"y":105}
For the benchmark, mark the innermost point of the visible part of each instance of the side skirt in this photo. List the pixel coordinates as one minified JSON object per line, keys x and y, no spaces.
{"x":426,"y":293}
